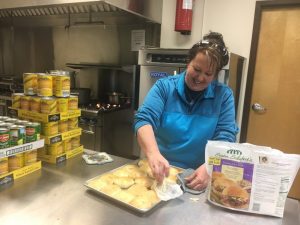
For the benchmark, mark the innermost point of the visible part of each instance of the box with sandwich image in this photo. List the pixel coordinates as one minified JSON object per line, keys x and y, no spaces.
{"x":249,"y":178}
{"x":231,"y":184}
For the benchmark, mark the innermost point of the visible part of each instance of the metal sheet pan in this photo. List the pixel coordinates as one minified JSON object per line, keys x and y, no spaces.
{"x":117,"y":201}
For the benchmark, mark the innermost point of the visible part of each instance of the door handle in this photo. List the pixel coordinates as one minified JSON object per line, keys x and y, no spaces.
{"x":258,"y":108}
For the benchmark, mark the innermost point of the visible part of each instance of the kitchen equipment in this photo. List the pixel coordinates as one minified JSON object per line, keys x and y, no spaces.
{"x":8,"y":85}
{"x":92,"y":124}
{"x":83,"y":95}
{"x":157,"y":63}
{"x":114,"y":98}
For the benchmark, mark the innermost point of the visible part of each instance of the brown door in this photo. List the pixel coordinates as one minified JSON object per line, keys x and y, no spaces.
{"x":272,"y":103}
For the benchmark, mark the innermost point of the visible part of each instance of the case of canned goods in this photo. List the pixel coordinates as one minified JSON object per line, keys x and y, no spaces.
{"x":3,"y":165}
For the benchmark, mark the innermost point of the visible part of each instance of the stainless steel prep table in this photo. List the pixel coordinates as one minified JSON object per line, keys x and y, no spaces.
{"x":56,"y":195}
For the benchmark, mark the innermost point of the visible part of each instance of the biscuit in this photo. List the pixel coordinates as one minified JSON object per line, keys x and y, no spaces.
{"x":152,"y":196}
{"x":172,"y":178}
{"x":124,"y":196}
{"x":110,"y":189}
{"x":137,"y":190}
{"x":108,"y":178}
{"x":146,"y":168}
{"x":173,"y":171}
{"x":121,"y":173}
{"x":123,"y":182}
{"x":98,"y":184}
{"x":144,"y":181}
{"x":142,"y":162}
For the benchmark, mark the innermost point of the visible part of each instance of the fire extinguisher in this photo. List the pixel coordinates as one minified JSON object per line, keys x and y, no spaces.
{"x":183,"y":19}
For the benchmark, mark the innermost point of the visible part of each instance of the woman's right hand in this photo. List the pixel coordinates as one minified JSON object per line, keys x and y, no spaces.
{"x":159,"y":166}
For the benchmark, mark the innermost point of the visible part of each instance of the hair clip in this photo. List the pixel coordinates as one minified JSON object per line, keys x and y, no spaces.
{"x":205,"y":43}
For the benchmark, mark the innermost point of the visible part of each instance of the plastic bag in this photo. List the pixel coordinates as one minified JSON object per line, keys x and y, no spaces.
{"x":249,"y":178}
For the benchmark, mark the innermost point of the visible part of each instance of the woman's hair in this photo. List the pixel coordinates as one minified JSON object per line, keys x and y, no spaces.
{"x":213,"y":46}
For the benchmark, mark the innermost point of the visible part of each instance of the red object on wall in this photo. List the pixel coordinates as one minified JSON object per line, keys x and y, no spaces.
{"x":184,"y":14}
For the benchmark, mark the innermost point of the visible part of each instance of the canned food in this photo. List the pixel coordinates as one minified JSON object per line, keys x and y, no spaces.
{"x":67,"y":145}
{"x":25,"y":102}
{"x":72,"y":123}
{"x":30,"y":83}
{"x":55,"y":149}
{"x":21,"y":122}
{"x":62,"y":104}
{"x":30,"y":157}
{"x":49,"y":129}
{"x":16,"y":161}
{"x":73,"y":102}
{"x":44,"y":85}
{"x":11,"y":120}
{"x":63,"y":126}
{"x":53,"y":83}
{"x":17,"y":135}
{"x":35,"y":104}
{"x":75,"y":142}
{"x":8,"y":125}
{"x":32,"y":132}
{"x":48,"y":105}
{"x":4,"y":137}
{"x":16,"y":100}
{"x":2,"y":118}
{"x":3,"y":165}
{"x":62,"y":86}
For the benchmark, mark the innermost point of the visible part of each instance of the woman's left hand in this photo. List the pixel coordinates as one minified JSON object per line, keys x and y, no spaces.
{"x":199,"y":179}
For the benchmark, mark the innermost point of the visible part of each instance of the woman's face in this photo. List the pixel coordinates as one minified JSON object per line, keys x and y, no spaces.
{"x":199,"y":73}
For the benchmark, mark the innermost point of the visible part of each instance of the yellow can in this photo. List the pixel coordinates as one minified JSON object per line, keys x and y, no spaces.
{"x":16,"y":100}
{"x":35,"y":104}
{"x":49,"y":129}
{"x":67,"y":145}
{"x":62,"y":86}
{"x":72,"y":123}
{"x":48,"y":105}
{"x":3,"y":165}
{"x":53,"y":83}
{"x":25,"y":102}
{"x":15,"y":162}
{"x":62,"y":104}
{"x":63,"y":126}
{"x":75,"y":142}
{"x":30,"y":157}
{"x":55,"y":149}
{"x":44,"y":85}
{"x":30,"y":83}
{"x":73,"y":102}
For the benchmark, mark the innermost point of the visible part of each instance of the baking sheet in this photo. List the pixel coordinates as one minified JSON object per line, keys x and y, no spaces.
{"x":117,"y":201}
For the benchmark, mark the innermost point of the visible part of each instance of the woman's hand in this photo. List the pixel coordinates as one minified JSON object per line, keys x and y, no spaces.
{"x":199,"y":179}
{"x":159,"y":166}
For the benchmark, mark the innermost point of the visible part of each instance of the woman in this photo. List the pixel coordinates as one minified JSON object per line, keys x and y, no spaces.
{"x":182,"y":112}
